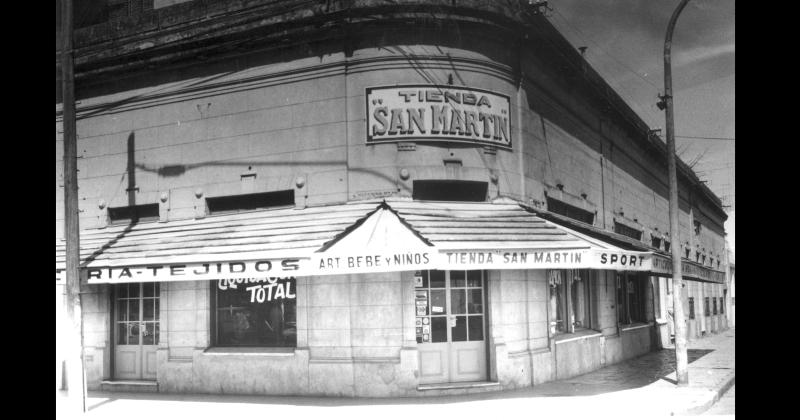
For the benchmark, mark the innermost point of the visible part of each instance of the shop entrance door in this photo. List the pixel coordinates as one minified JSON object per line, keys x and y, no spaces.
{"x":136,"y":321}
{"x":450,"y":325}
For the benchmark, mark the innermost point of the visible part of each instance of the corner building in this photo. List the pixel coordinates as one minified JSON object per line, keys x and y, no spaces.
{"x":355,"y":198}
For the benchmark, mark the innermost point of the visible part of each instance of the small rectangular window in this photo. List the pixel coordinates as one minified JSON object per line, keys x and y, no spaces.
{"x":715,"y":305}
{"x":691,"y":308}
{"x":722,"y":305}
{"x":568,"y":210}
{"x":133,"y":214}
{"x":707,"y":310}
{"x":248,"y":202}
{"x":450,"y":190}
{"x":656,"y":242}
{"x":627,"y":231}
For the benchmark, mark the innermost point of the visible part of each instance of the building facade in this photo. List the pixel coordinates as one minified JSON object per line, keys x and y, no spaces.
{"x":366,"y":199}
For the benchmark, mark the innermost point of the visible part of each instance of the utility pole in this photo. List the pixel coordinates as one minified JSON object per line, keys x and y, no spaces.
{"x":76,"y":381}
{"x":681,"y":357}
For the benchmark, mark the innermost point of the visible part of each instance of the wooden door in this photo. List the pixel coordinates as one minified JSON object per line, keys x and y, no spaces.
{"x":136,"y":308}
{"x":451,"y":326}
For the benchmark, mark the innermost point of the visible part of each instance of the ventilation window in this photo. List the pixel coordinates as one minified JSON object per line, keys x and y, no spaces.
{"x":564,"y":209}
{"x":656,"y":242}
{"x":450,"y":190}
{"x":249,"y":202}
{"x":133,"y":214}
{"x":627,"y":231}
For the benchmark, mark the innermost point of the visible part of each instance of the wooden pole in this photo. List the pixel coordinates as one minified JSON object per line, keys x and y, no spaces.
{"x":681,"y":356}
{"x":76,"y":383}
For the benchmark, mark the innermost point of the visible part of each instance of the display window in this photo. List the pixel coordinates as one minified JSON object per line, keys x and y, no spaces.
{"x":631,"y":298}
{"x":570,"y":300}
{"x":255,"y":312}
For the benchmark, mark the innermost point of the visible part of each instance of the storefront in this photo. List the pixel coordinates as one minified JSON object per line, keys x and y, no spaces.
{"x":353,"y":203}
{"x":410,"y":297}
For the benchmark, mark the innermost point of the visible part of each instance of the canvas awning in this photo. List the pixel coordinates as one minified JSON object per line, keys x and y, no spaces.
{"x":364,"y":237}
{"x":258,"y":243}
{"x":656,"y":262}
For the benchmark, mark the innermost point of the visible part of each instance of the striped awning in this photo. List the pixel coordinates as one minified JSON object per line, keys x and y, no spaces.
{"x":363,"y":237}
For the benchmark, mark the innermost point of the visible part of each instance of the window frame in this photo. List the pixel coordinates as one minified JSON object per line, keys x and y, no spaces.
{"x":568,"y":210}
{"x":625,"y":310}
{"x":214,"y":338}
{"x":134,"y":213}
{"x":571,"y":298}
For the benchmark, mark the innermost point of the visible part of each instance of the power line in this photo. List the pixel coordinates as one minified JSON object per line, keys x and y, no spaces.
{"x":708,"y":138}
{"x":583,"y":36}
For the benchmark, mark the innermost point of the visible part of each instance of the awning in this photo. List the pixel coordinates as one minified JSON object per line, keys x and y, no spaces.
{"x":656,"y":262}
{"x":395,"y":235}
{"x":254,"y":244}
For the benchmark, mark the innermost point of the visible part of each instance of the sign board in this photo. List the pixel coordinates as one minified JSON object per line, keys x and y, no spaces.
{"x":256,"y":269}
{"x":488,"y":259}
{"x":689,"y":270}
{"x":438,"y":113}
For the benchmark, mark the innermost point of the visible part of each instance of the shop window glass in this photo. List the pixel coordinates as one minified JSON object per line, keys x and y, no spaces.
{"x":260,"y":313}
{"x":570,"y":307}
{"x":564,"y":209}
{"x":458,"y":307}
{"x":631,"y":298}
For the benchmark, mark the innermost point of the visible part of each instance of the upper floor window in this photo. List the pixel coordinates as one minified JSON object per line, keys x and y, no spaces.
{"x":655,"y":242}
{"x":627,"y":231}
{"x":247,"y":202}
{"x":450,"y":190}
{"x":568,"y":210}
{"x":133,"y":214}
{"x":666,"y":246}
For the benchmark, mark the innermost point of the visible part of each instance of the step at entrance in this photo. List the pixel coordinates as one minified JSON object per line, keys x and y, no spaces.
{"x":458,"y":388}
{"x":129,"y":386}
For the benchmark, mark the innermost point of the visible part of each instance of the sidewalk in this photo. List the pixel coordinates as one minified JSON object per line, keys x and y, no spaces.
{"x":642,"y":387}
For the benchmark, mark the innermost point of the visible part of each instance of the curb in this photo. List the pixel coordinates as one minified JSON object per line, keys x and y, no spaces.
{"x":727,"y":382}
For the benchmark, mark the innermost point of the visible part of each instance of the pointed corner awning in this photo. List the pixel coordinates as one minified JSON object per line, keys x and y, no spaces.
{"x":655,"y":261}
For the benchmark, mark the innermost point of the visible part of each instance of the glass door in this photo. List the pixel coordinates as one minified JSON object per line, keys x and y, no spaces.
{"x":450,"y":325}
{"x":136,"y":308}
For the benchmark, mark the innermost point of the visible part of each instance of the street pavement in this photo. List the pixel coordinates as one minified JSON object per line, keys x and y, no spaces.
{"x":643,"y":387}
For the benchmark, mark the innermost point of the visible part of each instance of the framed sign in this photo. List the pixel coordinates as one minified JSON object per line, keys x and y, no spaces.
{"x":438,"y":113}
